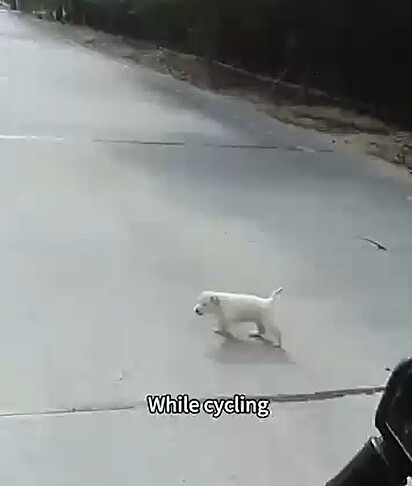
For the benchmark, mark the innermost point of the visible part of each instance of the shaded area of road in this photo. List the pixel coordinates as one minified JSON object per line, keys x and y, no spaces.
{"x":104,"y":247}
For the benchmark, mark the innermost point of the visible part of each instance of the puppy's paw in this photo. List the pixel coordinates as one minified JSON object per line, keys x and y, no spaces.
{"x":219,"y":332}
{"x":265,"y":340}
{"x":255,"y":334}
{"x":223,"y":333}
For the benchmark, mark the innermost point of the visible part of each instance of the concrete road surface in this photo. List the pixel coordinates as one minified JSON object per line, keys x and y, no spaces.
{"x":123,"y":194}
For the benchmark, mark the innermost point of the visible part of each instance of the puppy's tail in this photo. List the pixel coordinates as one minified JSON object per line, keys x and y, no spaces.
{"x":276,"y":293}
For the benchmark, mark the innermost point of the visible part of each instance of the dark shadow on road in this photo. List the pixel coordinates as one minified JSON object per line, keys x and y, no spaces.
{"x":238,"y":351}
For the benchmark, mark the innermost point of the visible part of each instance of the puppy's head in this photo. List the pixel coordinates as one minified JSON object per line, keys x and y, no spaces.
{"x":208,"y":303}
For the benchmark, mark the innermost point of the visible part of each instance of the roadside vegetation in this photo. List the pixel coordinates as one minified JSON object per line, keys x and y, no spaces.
{"x":327,"y":58}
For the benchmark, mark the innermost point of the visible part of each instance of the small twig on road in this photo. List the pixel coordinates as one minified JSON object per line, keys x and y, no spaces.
{"x":378,"y":245}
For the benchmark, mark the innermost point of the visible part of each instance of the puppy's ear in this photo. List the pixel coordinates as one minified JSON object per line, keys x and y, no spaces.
{"x":215,"y":300}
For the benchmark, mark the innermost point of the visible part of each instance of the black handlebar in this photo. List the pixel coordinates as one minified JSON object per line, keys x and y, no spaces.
{"x":368,"y":468}
{"x":386,"y":460}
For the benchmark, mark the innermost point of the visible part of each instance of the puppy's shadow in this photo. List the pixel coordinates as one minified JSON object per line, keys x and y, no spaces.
{"x":250,"y":351}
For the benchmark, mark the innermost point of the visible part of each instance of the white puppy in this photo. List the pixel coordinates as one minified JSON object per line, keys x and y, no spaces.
{"x":231,"y":308}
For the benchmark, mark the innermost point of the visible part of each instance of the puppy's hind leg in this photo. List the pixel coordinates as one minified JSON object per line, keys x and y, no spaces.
{"x":278,"y":335}
{"x":260,"y":330}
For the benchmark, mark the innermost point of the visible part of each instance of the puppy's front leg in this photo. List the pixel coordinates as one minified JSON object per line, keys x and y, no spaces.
{"x":222,"y":328}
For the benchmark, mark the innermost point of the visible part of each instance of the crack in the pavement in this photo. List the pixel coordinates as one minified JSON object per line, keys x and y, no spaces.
{"x":286,"y":148}
{"x":320,"y":395}
{"x":165,"y":143}
{"x":278,"y":398}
